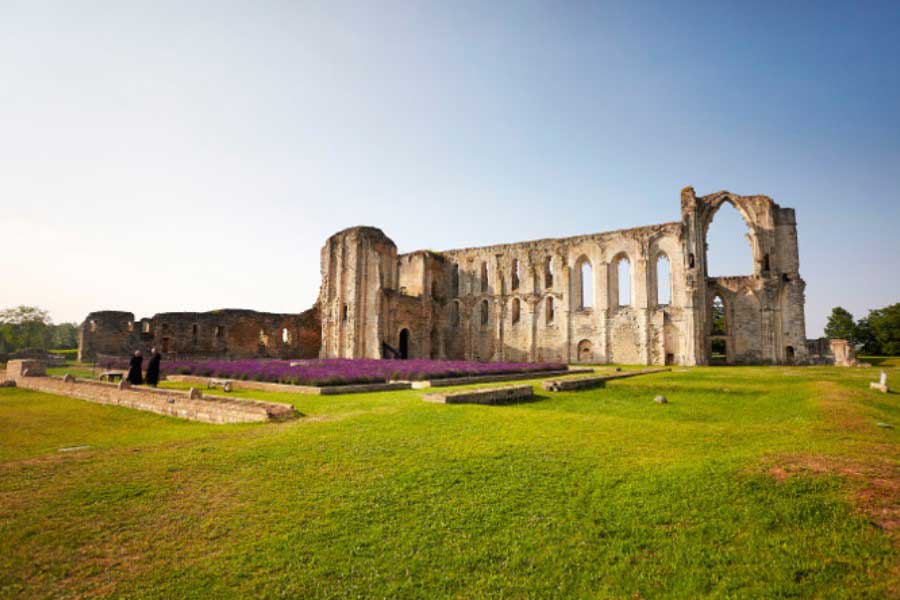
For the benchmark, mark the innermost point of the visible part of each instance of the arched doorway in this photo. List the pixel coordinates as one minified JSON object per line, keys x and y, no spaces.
{"x":404,"y":344}
{"x":585,"y":351}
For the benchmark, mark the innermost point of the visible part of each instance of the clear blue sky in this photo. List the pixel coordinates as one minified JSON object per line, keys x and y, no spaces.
{"x":187,"y":156}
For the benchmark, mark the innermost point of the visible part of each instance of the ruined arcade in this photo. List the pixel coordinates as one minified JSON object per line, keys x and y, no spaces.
{"x":559,"y":300}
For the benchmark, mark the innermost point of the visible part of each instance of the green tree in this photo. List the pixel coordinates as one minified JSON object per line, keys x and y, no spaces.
{"x":24,"y":327}
{"x":64,"y":336}
{"x":862,"y":334}
{"x":885,"y":326}
{"x":840,"y":324}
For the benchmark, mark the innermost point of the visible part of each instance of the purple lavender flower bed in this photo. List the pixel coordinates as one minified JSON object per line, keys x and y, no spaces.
{"x":339,"y":371}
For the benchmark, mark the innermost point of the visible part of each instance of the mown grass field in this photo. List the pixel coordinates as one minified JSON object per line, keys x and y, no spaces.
{"x":752,"y":482}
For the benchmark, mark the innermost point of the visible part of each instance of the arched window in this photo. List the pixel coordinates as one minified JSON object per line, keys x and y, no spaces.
{"x":93,"y":325}
{"x":719,"y":325}
{"x":514,"y":274}
{"x":727,"y":242}
{"x":345,"y":313}
{"x":549,"y":309}
{"x":623,"y":279}
{"x":663,"y":281}
{"x":548,"y":272}
{"x":220,"y":331}
{"x":516,"y":310}
{"x":585,"y":284}
{"x":285,"y":336}
{"x":146,"y":327}
{"x":485,"y":310}
{"x":454,"y":314}
{"x":484,"y":278}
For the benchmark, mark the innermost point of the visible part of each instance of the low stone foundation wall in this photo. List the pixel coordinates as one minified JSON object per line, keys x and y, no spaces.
{"x":447,"y":382}
{"x":328,"y":390}
{"x":584,"y":383}
{"x":208,"y":409}
{"x":501,"y":395}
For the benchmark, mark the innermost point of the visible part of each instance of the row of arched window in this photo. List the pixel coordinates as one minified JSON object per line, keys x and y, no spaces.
{"x":620,"y":280}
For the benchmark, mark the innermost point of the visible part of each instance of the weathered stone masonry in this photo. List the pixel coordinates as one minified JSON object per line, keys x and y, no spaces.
{"x":525,"y":301}
{"x":228,"y":333}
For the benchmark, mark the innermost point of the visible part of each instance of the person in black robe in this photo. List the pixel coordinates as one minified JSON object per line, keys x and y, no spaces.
{"x":135,"y":377}
{"x":153,"y":368}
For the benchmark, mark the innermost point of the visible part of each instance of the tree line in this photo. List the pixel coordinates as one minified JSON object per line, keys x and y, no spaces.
{"x":878,"y":333}
{"x":31,"y":327}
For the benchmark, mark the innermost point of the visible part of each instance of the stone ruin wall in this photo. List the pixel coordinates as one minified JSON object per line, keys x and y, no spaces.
{"x":468,"y":304}
{"x":227,"y":333}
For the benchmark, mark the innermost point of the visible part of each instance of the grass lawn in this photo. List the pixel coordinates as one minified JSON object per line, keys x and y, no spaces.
{"x":752,"y":482}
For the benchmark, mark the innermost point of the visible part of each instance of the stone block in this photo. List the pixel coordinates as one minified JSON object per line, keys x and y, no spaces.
{"x":500,"y":395}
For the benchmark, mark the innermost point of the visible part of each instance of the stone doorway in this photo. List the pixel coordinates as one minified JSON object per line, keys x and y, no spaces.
{"x":404,"y":344}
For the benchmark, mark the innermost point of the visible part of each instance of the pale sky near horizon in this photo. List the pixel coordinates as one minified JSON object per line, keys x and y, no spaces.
{"x":165,"y":156}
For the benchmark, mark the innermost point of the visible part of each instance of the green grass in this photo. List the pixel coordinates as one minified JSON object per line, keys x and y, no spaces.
{"x":601,"y":493}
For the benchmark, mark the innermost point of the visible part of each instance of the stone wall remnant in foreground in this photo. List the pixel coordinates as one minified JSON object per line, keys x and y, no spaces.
{"x":173,"y":403}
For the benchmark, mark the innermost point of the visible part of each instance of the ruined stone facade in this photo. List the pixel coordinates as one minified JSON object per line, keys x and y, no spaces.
{"x":227,"y":333}
{"x":558,"y":299}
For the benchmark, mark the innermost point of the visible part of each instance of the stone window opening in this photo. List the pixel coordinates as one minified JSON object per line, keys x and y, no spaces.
{"x":285,"y":336}
{"x":718,"y":321}
{"x":729,"y":244}
{"x":130,"y":326}
{"x":345,"y":311}
{"x":485,"y":312}
{"x":663,"y":280}
{"x":691,"y":260}
{"x":146,"y":326}
{"x":220,"y":331}
{"x":516,"y":310}
{"x":514,"y":275}
{"x":548,"y":272}
{"x":765,"y":266}
{"x":93,"y":325}
{"x":622,"y":273}
{"x":263,"y":338}
{"x":454,"y":314}
{"x":484,"y":278}
{"x":549,"y":309}
{"x":585,"y":284}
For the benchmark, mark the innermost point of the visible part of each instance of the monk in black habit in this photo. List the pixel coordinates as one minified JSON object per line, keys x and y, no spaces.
{"x":153,"y":367}
{"x":135,"y":377}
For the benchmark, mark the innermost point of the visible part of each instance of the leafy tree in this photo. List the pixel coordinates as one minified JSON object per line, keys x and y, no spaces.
{"x":885,"y":327}
{"x":840,"y":324}
{"x":64,"y":336}
{"x":862,"y":334}
{"x":24,"y":327}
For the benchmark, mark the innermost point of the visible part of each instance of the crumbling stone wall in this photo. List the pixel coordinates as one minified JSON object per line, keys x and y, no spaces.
{"x":526,"y":301}
{"x":228,"y":333}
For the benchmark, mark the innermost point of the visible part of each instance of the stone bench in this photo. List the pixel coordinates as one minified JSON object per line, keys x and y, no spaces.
{"x":111,"y":376}
{"x":498,"y":395}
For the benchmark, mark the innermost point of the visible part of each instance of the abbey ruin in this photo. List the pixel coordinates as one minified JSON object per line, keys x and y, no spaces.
{"x":559,"y":300}
{"x":544,"y":300}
